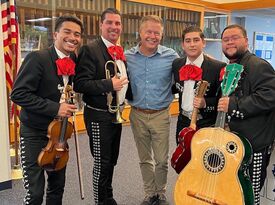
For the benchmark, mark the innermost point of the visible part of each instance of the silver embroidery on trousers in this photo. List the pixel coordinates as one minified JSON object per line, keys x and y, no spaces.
{"x":97,"y":161}
{"x":256,"y":176}
{"x":24,"y":172}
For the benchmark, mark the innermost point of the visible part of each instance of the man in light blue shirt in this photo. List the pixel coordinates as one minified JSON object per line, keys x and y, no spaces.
{"x":150,"y":73}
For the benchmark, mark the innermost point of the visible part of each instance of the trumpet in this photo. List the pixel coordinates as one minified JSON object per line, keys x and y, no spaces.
{"x":113,"y":108}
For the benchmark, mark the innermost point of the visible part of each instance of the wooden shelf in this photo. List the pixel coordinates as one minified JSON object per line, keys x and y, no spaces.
{"x":80,"y":126}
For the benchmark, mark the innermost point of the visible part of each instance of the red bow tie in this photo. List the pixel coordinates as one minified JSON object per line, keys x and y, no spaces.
{"x":190,"y":72}
{"x":116,"y":52}
{"x":65,"y":66}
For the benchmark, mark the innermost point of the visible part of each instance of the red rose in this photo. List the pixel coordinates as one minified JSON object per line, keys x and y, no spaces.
{"x":65,"y":66}
{"x":190,"y":72}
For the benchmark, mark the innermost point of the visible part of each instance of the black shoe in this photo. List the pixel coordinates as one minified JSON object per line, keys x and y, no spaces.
{"x":109,"y":201}
{"x":162,"y":200}
{"x":150,"y":200}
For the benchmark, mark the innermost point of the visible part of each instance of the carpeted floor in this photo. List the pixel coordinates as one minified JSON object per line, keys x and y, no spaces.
{"x":127,"y":181}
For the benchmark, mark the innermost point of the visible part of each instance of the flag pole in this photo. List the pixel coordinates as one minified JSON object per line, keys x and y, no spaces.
{"x":16,"y":171}
{"x":15,"y":47}
{"x":15,"y":110}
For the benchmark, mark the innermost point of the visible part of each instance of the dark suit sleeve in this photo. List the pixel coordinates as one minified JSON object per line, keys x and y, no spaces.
{"x":87,"y":80}
{"x":258,"y":93}
{"x":25,"y":91}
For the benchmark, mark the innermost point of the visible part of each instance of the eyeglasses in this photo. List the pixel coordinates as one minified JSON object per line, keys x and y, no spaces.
{"x":232,"y":38}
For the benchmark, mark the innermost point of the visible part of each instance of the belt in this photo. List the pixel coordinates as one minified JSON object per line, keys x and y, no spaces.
{"x":97,"y":109}
{"x":189,"y":114}
{"x":148,"y":111}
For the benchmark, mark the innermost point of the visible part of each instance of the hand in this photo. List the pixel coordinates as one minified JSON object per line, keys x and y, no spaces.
{"x":66,"y":110}
{"x":199,"y":102}
{"x":223,"y":104}
{"x":119,"y":82}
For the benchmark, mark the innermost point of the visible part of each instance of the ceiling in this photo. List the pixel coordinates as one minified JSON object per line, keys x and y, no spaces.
{"x":265,"y":12}
{"x":226,"y":1}
{"x":258,"y":8}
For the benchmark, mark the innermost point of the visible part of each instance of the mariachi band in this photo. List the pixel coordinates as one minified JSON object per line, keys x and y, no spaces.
{"x":225,"y":128}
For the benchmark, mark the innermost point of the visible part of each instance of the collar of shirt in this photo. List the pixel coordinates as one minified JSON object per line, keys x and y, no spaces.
{"x":137,"y":50}
{"x":60,"y":54}
{"x":107,"y":43}
{"x":197,"y":62}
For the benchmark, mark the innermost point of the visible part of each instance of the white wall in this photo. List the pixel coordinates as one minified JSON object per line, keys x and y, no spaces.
{"x":258,"y":24}
{"x":5,"y":166}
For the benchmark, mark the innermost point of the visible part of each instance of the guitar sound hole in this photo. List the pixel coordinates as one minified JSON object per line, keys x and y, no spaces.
{"x":231,"y":147}
{"x":213,"y":160}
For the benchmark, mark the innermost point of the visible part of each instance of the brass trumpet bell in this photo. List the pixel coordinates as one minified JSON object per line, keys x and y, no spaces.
{"x":113,"y":108}
{"x":119,"y":118}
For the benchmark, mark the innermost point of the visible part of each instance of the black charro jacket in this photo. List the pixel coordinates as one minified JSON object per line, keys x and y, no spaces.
{"x":36,"y":88}
{"x":90,"y":78}
{"x":251,"y":110}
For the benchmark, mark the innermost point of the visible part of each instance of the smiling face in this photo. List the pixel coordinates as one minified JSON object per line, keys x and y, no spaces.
{"x":193,"y":45}
{"x":111,"y":27}
{"x":150,"y":35}
{"x":234,"y":43}
{"x":68,"y":37}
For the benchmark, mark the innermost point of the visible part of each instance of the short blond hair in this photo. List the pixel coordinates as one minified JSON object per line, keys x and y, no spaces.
{"x":153,"y":18}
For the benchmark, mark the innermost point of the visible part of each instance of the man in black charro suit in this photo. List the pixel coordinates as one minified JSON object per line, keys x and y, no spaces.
{"x":36,"y":90}
{"x":251,"y":108}
{"x":91,"y":80}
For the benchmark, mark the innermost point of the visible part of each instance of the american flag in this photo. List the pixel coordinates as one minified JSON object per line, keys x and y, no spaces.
{"x":11,"y":44}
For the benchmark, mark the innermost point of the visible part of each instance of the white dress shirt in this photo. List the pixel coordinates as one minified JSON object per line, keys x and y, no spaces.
{"x":188,"y":93}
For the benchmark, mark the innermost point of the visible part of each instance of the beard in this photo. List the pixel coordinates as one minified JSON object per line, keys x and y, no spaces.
{"x":238,"y":54}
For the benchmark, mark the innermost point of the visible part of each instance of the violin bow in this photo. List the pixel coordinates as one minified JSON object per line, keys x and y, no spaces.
{"x":78,"y":160}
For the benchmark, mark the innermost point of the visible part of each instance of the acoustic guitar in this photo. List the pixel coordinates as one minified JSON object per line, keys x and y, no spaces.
{"x":182,"y":153}
{"x":217,"y":172}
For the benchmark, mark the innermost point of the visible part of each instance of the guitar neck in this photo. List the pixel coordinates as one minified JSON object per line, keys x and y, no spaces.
{"x":232,"y":74}
{"x":220,"y":120}
{"x":200,"y":91}
{"x":193,"y":123}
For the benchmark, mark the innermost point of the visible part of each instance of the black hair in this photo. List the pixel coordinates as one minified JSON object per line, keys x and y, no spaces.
{"x":60,"y":20}
{"x":109,"y":11}
{"x":190,"y":29}
{"x":236,"y":26}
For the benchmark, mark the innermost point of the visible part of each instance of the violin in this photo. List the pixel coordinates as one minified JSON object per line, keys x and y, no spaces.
{"x":55,"y":155}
